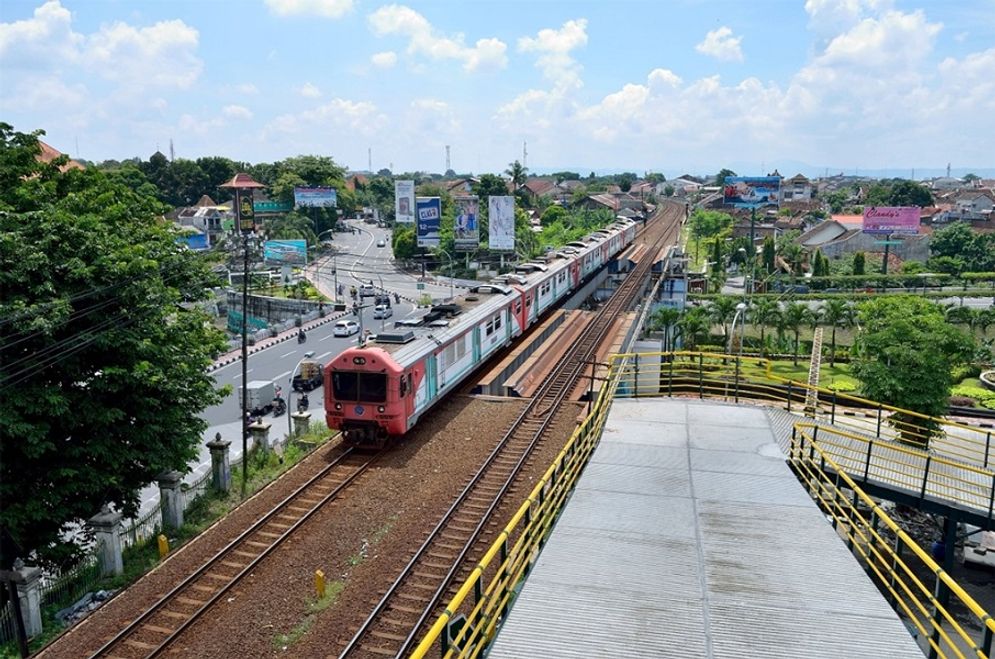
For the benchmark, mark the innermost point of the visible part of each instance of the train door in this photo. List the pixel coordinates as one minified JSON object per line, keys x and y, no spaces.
{"x":431,"y":377}
{"x":475,"y":340}
{"x":575,"y":273}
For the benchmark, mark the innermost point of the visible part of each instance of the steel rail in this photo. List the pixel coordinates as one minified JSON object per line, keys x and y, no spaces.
{"x":137,"y":625}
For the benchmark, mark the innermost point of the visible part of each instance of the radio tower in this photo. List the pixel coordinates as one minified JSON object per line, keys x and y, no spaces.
{"x":369,"y":159}
{"x":172,"y":155}
{"x":525,"y":153}
{"x":448,"y":167}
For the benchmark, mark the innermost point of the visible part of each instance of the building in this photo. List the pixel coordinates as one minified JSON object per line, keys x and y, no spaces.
{"x":796,"y":188}
{"x":844,"y":234}
{"x":49,"y":153}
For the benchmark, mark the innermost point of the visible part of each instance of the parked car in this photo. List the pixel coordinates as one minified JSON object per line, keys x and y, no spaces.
{"x":382,"y":311}
{"x":345,"y":328}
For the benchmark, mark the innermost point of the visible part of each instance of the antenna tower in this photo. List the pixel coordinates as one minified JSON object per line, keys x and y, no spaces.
{"x":448,"y":166}
{"x":172,"y":154}
{"x":369,"y":159}
{"x":948,"y":170}
{"x":525,"y":153}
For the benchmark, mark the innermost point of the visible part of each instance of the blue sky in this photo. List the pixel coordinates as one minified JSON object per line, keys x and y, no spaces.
{"x":675,"y":86}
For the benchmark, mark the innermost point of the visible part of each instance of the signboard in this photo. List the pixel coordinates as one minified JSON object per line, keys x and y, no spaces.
{"x":285,"y":251}
{"x":501,"y":223}
{"x":244,"y":212}
{"x":751,"y":191}
{"x":271,"y":207}
{"x":320,"y":197}
{"x":404,"y":202}
{"x":891,"y":219}
{"x":429,"y":217}
{"x":195,"y":241}
{"x":465,"y":230}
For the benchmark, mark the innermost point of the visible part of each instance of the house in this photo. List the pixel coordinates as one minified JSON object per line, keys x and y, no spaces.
{"x":49,"y":153}
{"x":682,"y":187}
{"x":461,"y":186}
{"x":796,"y":188}
{"x":538,"y":187}
{"x":975,"y":205}
{"x":844,"y":234}
{"x":613,"y":202}
{"x":946,"y":183}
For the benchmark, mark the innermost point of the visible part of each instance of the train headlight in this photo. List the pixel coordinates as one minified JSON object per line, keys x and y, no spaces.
{"x":338,"y":406}
{"x":381,"y":409}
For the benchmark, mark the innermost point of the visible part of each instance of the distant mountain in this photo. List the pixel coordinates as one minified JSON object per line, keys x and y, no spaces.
{"x":786,"y":168}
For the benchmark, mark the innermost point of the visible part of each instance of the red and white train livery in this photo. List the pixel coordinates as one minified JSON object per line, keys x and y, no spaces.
{"x":381,"y":389}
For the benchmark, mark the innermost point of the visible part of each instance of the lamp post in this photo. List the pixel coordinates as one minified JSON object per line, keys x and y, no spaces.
{"x":243,"y":185}
{"x":290,"y":392}
{"x":335,"y":270}
{"x":740,"y":312}
{"x":452,"y":286}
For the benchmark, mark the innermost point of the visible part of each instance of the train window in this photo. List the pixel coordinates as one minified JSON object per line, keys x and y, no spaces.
{"x":404,"y":385}
{"x":497,"y":322}
{"x":518,"y":306}
{"x":489,"y":327}
{"x":460,"y":348}
{"x":345,"y":385}
{"x":373,"y":387}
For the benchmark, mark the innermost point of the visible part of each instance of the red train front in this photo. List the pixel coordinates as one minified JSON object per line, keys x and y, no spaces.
{"x":367,"y":396}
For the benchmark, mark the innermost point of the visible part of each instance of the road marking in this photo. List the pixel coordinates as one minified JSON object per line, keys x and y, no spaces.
{"x":327,"y":336}
{"x":322,"y":356}
{"x":281,"y":375}
{"x":237,"y":376}
{"x":288,"y":354}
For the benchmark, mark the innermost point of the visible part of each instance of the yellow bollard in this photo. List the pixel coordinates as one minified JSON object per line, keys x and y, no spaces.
{"x":163,"y":546}
{"x":319,"y":583}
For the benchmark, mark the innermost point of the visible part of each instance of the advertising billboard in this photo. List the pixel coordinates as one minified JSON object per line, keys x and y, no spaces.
{"x":429,"y":216}
{"x":244,"y":212}
{"x":501,"y":223}
{"x":751,"y":191}
{"x":891,"y":219}
{"x":285,"y":251}
{"x":404,"y":202}
{"x":318,"y":197}
{"x":465,"y":230}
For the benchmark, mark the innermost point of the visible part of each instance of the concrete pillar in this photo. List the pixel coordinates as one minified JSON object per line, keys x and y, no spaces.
{"x":220,"y":463}
{"x":302,"y":421}
{"x":260,"y":435}
{"x":106,"y":526}
{"x":29,"y":595}
{"x":172,"y":499}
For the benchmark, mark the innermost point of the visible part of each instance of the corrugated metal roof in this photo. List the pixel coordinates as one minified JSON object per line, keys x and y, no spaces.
{"x":688,"y":536}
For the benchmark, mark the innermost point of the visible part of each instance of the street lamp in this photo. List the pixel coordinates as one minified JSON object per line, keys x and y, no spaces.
{"x":335,"y":270}
{"x":740,"y":309}
{"x":290,"y":394}
{"x":452,"y":286}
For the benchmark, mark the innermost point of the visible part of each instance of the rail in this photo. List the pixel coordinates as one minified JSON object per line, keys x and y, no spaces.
{"x":893,"y":559}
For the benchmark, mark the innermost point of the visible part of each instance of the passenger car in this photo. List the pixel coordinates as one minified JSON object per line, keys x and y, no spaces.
{"x":381,"y":243}
{"x":345,"y":328}
{"x":382,"y":311}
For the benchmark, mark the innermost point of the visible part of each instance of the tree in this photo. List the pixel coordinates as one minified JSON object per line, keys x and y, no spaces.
{"x":668,"y":190}
{"x":835,"y":312}
{"x":903,"y":356}
{"x":720,"y":178}
{"x":404,"y":242}
{"x":769,"y":254}
{"x":518,"y":174}
{"x":859,"y":263}
{"x":553,"y":214}
{"x":974,"y":252}
{"x":665,"y":319}
{"x":708,"y":224}
{"x":795,"y":315}
{"x":765,"y":313}
{"x":910,"y":193}
{"x":722,"y":310}
{"x":490,"y":185}
{"x":693,"y":324}
{"x":625,"y":182}
{"x":105,"y":360}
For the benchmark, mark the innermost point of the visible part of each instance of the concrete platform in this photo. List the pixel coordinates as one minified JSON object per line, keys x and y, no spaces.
{"x":688,"y":536}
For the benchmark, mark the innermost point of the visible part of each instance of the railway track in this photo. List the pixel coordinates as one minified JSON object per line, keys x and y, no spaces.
{"x":392,"y":627}
{"x":160,"y":625}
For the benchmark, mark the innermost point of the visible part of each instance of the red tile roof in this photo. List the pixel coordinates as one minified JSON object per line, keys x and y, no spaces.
{"x":48,"y":154}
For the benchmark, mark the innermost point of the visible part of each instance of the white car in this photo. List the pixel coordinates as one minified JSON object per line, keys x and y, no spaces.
{"x":345,"y":328}
{"x":382,"y":311}
{"x":381,"y":243}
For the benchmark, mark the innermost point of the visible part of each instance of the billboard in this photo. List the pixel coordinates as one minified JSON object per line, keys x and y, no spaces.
{"x":751,"y":191}
{"x":404,"y":202}
{"x":891,"y":219}
{"x":429,"y":217}
{"x":465,"y":230}
{"x":285,"y":251}
{"x":319,"y":197}
{"x":501,"y":223}
{"x":244,"y":212}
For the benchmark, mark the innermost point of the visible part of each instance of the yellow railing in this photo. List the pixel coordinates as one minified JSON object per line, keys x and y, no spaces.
{"x":893,"y":559}
{"x":733,"y":378}
{"x":494,"y":581}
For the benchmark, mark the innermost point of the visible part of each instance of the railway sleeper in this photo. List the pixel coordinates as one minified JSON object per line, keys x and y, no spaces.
{"x":217,"y":576}
{"x":427,"y":575}
{"x":175,"y":615}
{"x":403,"y":624}
{"x":387,"y":652}
{"x":430,"y":587}
{"x":446,"y":545}
{"x":165,"y":631}
{"x":189,"y":601}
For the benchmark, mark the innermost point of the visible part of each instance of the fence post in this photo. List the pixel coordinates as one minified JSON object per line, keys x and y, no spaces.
{"x":988,"y":446}
{"x":832,"y":413}
{"x":880,"y":411}
{"x":260,"y":436}
{"x":29,"y":597}
{"x":701,"y":368}
{"x":867,"y":463}
{"x":302,"y":421}
{"x":172,"y":499}
{"x":220,"y":463}
{"x":789,"y":395}
{"x":106,"y":526}
{"x":737,"y":381}
{"x":670,"y":381}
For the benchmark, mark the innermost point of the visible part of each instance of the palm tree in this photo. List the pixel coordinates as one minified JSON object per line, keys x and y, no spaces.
{"x":795,"y":315}
{"x":835,"y":314}
{"x":764,"y":312}
{"x":693,"y":323}
{"x":957,"y":315}
{"x":666,"y":318}
{"x":517,"y":173}
{"x":722,"y":310}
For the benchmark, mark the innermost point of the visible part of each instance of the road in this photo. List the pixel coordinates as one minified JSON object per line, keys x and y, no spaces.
{"x":358,"y":260}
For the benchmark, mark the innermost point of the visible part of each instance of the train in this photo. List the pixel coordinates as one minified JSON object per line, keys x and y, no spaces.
{"x":377,"y":391}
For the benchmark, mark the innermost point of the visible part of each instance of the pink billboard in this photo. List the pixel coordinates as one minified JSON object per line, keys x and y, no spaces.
{"x":891,"y":219}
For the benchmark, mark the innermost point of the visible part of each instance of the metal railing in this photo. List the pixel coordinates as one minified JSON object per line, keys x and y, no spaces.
{"x":63,"y":588}
{"x":892,"y":558}
{"x":732,"y":378}
{"x":142,"y":529}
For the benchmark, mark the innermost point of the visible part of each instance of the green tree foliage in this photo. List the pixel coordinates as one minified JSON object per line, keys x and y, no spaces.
{"x":665,"y":319}
{"x":898,"y":192}
{"x":104,"y":358}
{"x":859,"y":264}
{"x":768,"y":255}
{"x":794,"y":316}
{"x":722,"y":310}
{"x":694,"y":325}
{"x":708,"y":224}
{"x":764,"y":312}
{"x":668,"y":190}
{"x":553,"y":214}
{"x":404,"y":241}
{"x":904,"y":354}
{"x":565,"y":176}
{"x":517,"y":173}
{"x":836,"y":313}
{"x":489,"y":185}
{"x":720,"y":178}
{"x":970,"y":251}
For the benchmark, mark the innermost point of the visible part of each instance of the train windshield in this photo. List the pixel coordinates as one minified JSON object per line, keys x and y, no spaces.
{"x":365,"y":387}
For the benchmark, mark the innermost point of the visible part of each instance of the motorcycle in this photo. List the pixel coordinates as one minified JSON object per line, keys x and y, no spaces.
{"x":302,"y":403}
{"x":301,"y":337}
{"x":279,"y":406}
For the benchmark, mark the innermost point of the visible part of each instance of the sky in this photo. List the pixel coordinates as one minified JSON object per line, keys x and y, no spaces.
{"x":672,"y":87}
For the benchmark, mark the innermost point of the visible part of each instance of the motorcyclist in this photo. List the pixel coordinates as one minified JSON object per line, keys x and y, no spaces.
{"x":302,"y":403}
{"x":397,"y":298}
{"x":301,"y":336}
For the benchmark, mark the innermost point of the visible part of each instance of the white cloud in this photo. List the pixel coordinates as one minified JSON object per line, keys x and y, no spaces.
{"x":307,"y":90}
{"x":325,"y":8}
{"x":720,"y":44}
{"x":425,"y":40}
{"x":236,"y":112}
{"x":162,"y":54}
{"x":431,"y":116}
{"x":46,"y":37}
{"x":384,"y":60}
{"x":360,"y":117}
{"x":554,"y":47}
{"x":247,"y":88}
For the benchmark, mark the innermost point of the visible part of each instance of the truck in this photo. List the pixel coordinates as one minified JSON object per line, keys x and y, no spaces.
{"x":309,"y":376}
{"x":260,"y":394}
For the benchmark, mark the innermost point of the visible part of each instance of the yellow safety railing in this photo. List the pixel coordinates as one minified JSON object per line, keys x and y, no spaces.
{"x":893,"y":559}
{"x":494,"y":581}
{"x":733,"y":378}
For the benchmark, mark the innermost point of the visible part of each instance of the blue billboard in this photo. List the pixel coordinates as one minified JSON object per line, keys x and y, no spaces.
{"x":751,"y":191}
{"x":429,"y":218}
{"x":317,"y":196}
{"x":285,"y":252}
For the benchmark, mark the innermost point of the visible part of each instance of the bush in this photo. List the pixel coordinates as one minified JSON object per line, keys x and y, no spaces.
{"x":298,"y":321}
{"x":988,"y":404}
{"x":962,"y":401}
{"x":969,"y":391}
{"x":965,"y":371}
{"x":842,"y":385}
